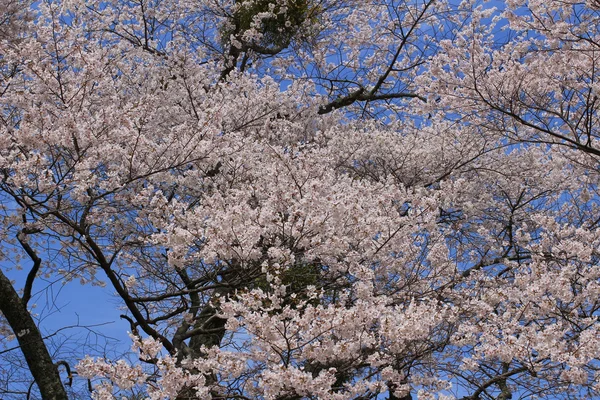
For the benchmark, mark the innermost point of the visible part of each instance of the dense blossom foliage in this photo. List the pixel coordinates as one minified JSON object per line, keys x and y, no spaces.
{"x":330,"y":199}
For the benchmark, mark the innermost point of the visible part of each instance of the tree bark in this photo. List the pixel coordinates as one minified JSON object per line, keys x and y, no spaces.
{"x":31,"y":342}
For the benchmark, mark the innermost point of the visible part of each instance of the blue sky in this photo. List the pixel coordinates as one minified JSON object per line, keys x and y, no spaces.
{"x":86,"y":308}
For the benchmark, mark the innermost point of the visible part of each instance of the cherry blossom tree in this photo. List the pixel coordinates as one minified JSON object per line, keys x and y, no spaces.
{"x":310,"y":199}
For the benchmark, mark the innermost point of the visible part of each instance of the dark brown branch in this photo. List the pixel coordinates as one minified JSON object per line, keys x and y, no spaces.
{"x":360,"y":95}
{"x":496,"y":380}
{"x":105,"y":264}
{"x":68,"y":369}
{"x":341,"y":102}
{"x":37,"y":262}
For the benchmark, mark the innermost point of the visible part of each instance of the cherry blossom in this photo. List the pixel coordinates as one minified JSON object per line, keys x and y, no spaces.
{"x":300,"y":199}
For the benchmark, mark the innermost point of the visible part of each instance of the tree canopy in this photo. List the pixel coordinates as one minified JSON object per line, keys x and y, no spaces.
{"x":306,"y":199}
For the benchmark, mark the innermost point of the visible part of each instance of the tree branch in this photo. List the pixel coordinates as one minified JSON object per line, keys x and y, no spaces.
{"x":37,"y":262}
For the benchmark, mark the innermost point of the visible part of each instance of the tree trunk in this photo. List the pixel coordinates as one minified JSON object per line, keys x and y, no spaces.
{"x":31,"y":342}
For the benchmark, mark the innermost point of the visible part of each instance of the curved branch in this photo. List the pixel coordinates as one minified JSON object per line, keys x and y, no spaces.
{"x":496,"y":380}
{"x":37,"y":262}
{"x":360,"y":95}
